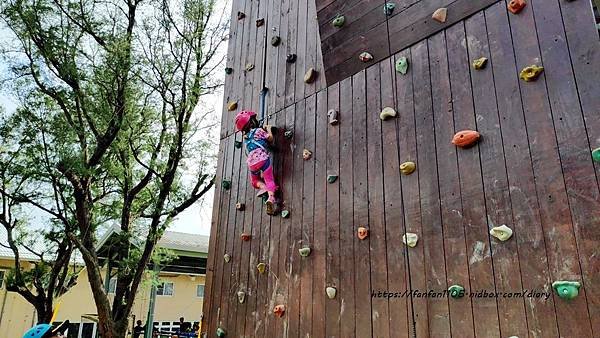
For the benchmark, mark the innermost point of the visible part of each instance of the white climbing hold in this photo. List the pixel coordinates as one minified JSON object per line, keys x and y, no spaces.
{"x":331,"y":292}
{"x":502,"y":232}
{"x":410,"y":239}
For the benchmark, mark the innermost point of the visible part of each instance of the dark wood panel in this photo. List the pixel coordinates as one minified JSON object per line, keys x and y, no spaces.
{"x":283,"y":68}
{"x":320,"y":226}
{"x":485,"y":312}
{"x":347,"y":229}
{"x":362,"y":267}
{"x":456,"y":257}
{"x":333,"y":273}
{"x":365,"y":15}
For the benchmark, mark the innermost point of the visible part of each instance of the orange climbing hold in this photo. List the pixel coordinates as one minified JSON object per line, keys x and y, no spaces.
{"x":440,"y":14}
{"x":245,"y":237}
{"x":363,"y":232}
{"x":465,"y":138}
{"x":515,"y":6}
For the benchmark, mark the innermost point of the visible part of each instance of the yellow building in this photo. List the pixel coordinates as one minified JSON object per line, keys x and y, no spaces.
{"x":180,"y":293}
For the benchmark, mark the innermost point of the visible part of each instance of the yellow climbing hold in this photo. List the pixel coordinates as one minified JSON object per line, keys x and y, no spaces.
{"x":387,"y":113}
{"x":408,"y":168}
{"x":261,"y":267}
{"x":480,"y":63}
{"x":231,"y":106}
{"x":531,"y":73}
{"x":310,"y":76}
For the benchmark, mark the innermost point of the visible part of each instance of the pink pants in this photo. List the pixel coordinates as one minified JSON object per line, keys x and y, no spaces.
{"x":264,"y":174}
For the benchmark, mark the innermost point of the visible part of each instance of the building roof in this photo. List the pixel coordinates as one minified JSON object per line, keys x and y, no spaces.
{"x":183,"y":241}
{"x":24,"y":254}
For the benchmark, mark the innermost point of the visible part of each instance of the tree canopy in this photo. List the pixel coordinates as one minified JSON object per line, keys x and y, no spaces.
{"x":108,"y":132}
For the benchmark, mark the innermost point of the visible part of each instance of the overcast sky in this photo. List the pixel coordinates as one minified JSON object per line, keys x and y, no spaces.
{"x":195,"y":219}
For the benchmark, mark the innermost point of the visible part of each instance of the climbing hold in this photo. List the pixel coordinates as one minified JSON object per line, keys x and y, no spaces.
{"x":480,"y":63}
{"x":285,"y":213}
{"x":221,"y":332}
{"x":245,"y":236}
{"x":566,"y":289}
{"x":402,"y":65}
{"x":440,"y":14}
{"x":228,"y":70}
{"x":331,"y":178}
{"x":531,"y":73}
{"x":363,"y":232}
{"x":275,"y":41}
{"x":310,"y":76}
{"x":226,"y":258}
{"x":304,"y":252}
{"x":596,"y":155}
{"x":290,"y":58}
{"x":338,"y":21}
{"x":226,"y":184}
{"x":502,"y":232}
{"x":408,"y":168}
{"x":260,"y":22}
{"x":231,"y":106}
{"x":279,"y":310}
{"x":386,"y":113}
{"x":249,"y":67}
{"x":288,"y":134}
{"x":456,"y":291}
{"x":261,"y":267}
{"x":332,"y":115}
{"x":465,"y":138}
{"x":237,"y":144}
{"x":241,"y":15}
{"x":515,"y":6}
{"x":241,"y":296}
{"x":331,"y":292}
{"x":388,"y":8}
{"x":410,"y":239}
{"x":306,"y":154}
{"x":365,"y":57}
{"x":240,"y":206}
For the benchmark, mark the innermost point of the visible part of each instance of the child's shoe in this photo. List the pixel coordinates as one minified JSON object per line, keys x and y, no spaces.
{"x":270,"y":205}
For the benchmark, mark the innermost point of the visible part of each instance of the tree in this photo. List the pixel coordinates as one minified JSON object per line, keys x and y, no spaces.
{"x":108,"y":131}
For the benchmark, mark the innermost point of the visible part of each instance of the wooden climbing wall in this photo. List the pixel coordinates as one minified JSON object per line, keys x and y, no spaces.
{"x":532,"y":170}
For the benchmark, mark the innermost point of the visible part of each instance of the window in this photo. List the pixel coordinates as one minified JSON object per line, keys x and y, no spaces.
{"x":2,"y":273}
{"x":165,"y":289}
{"x":200,"y":291}
{"x":112,"y":285}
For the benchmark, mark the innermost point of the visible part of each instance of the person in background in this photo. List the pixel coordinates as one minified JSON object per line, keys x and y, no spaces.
{"x":138,"y":330}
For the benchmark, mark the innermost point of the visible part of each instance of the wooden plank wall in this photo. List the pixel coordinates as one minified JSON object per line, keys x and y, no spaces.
{"x":532,"y":171}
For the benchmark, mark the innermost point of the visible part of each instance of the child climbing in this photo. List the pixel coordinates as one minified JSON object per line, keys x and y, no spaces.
{"x":260,"y":161}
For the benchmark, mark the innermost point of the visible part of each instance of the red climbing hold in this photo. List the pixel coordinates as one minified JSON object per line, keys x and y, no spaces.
{"x":279,"y":310}
{"x":363,"y":232}
{"x":515,"y":6}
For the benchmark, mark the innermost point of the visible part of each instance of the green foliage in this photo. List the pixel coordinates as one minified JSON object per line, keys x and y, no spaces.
{"x":108,"y":132}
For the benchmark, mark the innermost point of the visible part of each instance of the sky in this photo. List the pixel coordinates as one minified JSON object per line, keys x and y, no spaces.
{"x":197,"y":218}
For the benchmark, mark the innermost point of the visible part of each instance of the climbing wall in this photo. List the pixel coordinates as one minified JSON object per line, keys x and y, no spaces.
{"x":319,"y":271}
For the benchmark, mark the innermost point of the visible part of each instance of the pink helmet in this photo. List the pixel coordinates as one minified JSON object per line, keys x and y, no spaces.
{"x":242,"y":119}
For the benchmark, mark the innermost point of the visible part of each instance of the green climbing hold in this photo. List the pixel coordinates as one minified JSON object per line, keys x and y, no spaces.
{"x":228,"y":70}
{"x":288,"y":134}
{"x":596,"y":155}
{"x":456,"y":291}
{"x":331,"y":178}
{"x":402,"y":65}
{"x":304,"y":252}
{"x":275,"y":41}
{"x":285,"y":213}
{"x":388,"y":8}
{"x":566,"y":289}
{"x":237,"y":144}
{"x":249,"y":67}
{"x":226,"y":184}
{"x":339,"y":20}
{"x":221,"y":332}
